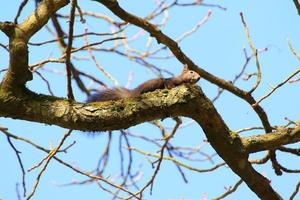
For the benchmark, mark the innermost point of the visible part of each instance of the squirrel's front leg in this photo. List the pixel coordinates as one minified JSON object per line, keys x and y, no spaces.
{"x":168,"y":84}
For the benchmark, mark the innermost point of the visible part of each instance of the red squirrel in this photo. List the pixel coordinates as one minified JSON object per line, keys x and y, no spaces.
{"x":186,"y":76}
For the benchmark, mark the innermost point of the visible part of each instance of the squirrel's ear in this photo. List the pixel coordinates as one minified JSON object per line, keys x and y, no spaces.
{"x":185,"y":68}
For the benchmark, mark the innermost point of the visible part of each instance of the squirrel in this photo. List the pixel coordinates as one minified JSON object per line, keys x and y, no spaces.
{"x":186,"y":76}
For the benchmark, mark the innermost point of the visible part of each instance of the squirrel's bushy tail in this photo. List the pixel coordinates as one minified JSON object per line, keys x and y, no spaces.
{"x":110,"y":94}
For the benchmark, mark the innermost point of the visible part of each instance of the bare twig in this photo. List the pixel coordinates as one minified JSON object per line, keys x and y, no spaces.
{"x":36,"y":66}
{"x":297,"y":5}
{"x":97,"y":64}
{"x":75,"y":36}
{"x":4,"y":47}
{"x":20,"y":163}
{"x":50,"y":156}
{"x":105,"y":155}
{"x":293,"y":50}
{"x":92,"y":78}
{"x":20,"y":10}
{"x":194,"y":29}
{"x":179,"y":162}
{"x":82,"y":20}
{"x":17,"y":191}
{"x":92,"y":14}
{"x":260,"y":161}
{"x":68,"y":50}
{"x":254,"y":51}
{"x":3,"y":70}
{"x":290,"y":150}
{"x":46,"y":81}
{"x":295,"y":192}
{"x":276,"y":87}
{"x":249,"y":129}
{"x":230,"y":190}
{"x":298,"y":57}
{"x":288,"y":170}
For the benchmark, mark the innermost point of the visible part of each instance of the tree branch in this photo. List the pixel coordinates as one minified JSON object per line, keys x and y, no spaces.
{"x":40,"y":17}
{"x":18,"y":73}
{"x":297,"y":5}
{"x":27,"y":105}
{"x":274,"y":140}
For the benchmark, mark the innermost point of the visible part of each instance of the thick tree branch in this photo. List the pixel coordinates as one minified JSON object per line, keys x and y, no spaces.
{"x":39,"y":17}
{"x":270,"y":141}
{"x":96,"y":116}
{"x":229,"y":146}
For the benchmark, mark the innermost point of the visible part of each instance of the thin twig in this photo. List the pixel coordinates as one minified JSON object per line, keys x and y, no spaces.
{"x":68,"y":50}
{"x":249,"y":129}
{"x":46,"y":81}
{"x":82,"y":20}
{"x":105,"y":155}
{"x":92,"y":78}
{"x":17,"y":191}
{"x":95,"y":15}
{"x":288,"y":170}
{"x":260,"y":161}
{"x":51,"y":155}
{"x":4,"y":47}
{"x":115,"y":194}
{"x":38,"y":65}
{"x":20,"y":10}
{"x":295,"y":192}
{"x":296,"y":2}
{"x":230,"y":191}
{"x":290,"y":150}
{"x":194,"y":29}
{"x":254,"y":51}
{"x":293,"y":50}
{"x":20,"y":163}
{"x":64,"y":37}
{"x":179,"y":162}
{"x":97,"y":64}
{"x":276,"y":87}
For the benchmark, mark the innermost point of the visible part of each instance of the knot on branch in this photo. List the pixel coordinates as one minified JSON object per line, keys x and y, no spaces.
{"x":8,"y":28}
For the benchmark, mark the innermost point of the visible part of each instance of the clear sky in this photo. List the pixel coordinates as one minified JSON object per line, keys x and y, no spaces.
{"x":217,"y":47}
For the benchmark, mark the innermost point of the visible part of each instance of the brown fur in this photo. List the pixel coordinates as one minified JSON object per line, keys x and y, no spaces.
{"x":186,"y":76}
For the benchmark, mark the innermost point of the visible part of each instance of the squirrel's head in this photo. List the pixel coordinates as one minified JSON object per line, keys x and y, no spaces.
{"x":189,"y":76}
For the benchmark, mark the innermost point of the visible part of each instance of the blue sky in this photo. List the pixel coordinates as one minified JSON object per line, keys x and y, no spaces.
{"x":217,"y":47}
